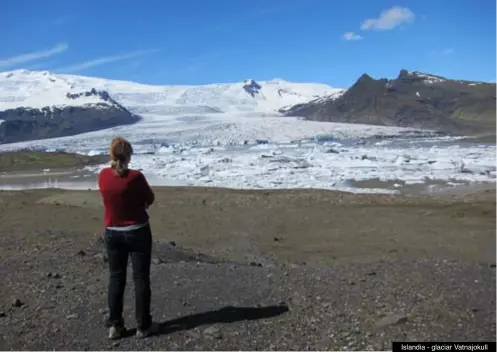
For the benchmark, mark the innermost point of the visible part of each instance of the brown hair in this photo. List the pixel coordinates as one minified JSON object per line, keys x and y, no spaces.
{"x":120,"y":153}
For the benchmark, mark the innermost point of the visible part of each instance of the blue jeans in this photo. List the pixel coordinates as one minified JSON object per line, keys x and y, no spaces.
{"x":120,"y":245}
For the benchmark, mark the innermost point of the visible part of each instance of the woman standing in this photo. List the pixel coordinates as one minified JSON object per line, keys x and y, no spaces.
{"x":126,"y":196}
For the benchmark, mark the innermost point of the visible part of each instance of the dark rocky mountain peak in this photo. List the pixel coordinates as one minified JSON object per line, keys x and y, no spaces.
{"x":365,"y":82}
{"x":412,"y":99}
{"x":93,"y":92}
{"x":251,"y":87}
{"x":365,"y":78}
{"x":403,"y":73}
{"x":104,"y":95}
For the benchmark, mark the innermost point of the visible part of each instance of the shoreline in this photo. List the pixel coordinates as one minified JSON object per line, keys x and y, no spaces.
{"x":78,"y":179}
{"x":32,"y":160}
{"x":455,"y":195}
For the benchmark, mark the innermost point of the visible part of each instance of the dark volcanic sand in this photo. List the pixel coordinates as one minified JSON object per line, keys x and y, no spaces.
{"x":255,"y":270}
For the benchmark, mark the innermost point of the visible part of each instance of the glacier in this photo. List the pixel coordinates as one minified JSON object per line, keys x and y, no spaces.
{"x":231,"y":135}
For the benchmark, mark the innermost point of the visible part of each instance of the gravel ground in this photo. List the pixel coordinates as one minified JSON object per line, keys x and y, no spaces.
{"x":53,"y":272}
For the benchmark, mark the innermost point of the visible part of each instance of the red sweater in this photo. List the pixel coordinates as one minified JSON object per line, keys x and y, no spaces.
{"x":125,"y":198}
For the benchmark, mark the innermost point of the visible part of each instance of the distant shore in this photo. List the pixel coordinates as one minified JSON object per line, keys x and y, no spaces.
{"x":18,"y":161}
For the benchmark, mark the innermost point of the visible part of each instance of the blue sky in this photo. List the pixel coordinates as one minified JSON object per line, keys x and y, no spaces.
{"x":208,"y":41}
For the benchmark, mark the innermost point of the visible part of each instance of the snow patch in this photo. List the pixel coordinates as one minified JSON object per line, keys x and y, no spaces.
{"x":37,"y":90}
{"x":429,"y":79}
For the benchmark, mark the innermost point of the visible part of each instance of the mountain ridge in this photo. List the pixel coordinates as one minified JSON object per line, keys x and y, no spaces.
{"x":264,"y":96}
{"x":41,"y":104}
{"x":412,"y":99}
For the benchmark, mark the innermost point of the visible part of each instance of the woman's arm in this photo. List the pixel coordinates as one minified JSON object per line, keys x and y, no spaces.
{"x":147,"y":192}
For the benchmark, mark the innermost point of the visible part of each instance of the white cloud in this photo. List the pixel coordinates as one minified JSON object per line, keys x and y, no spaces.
{"x":352,"y":36}
{"x":33,"y":56}
{"x":448,"y":51}
{"x":105,"y":60}
{"x":389,"y":19}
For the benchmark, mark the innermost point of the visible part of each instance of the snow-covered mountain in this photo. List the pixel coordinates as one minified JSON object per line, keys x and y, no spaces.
{"x":22,"y":88}
{"x":35,"y":105}
{"x":68,"y":115}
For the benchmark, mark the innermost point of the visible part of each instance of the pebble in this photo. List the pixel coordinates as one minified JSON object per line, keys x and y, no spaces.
{"x":213,"y":332}
{"x":156,"y":261}
{"x":392,"y":319}
{"x":193,"y":335}
{"x":17,"y":303}
{"x":2,"y":315}
{"x":101,"y":256}
{"x":72,"y":316}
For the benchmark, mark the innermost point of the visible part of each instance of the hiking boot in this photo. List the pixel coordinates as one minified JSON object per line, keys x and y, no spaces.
{"x":116,"y":332}
{"x":151,"y":330}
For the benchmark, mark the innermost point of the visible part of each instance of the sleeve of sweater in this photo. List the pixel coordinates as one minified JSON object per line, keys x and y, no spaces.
{"x":148,"y":194}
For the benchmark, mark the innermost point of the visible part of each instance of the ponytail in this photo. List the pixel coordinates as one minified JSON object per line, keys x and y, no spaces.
{"x":120,"y":168}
